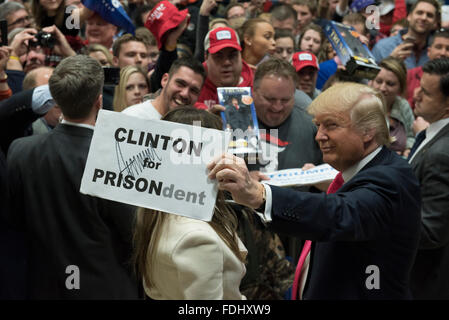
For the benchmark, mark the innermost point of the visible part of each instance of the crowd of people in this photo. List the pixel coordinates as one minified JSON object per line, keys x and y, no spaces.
{"x":380,"y":230}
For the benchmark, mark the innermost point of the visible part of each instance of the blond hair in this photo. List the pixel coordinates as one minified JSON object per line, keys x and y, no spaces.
{"x":119,"y":103}
{"x":364,"y":105}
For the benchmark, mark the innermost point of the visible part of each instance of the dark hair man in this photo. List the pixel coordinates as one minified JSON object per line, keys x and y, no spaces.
{"x":224,"y":65}
{"x":78,"y":245}
{"x":410,"y":44}
{"x":129,"y":50}
{"x":429,"y":159}
{"x":180,"y":86}
{"x":438,"y":48}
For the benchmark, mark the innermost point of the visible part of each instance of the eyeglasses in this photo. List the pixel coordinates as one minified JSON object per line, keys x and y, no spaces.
{"x":20,"y":21}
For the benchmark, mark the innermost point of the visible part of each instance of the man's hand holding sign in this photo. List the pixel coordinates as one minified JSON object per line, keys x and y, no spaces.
{"x":140,"y":162}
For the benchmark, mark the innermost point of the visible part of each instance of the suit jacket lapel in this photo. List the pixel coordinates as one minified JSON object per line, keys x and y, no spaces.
{"x":417,"y":159}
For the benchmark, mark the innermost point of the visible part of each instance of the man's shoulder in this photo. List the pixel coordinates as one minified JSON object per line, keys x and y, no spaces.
{"x":144,"y":110}
{"x":302,"y":100}
{"x":440,"y":143}
{"x":301,"y":115}
{"x":417,"y":70}
{"x":386,"y":45}
{"x":387,"y":165}
{"x":20,"y":147}
{"x":389,"y":41}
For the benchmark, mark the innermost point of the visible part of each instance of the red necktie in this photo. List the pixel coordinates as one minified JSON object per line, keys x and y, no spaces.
{"x":334,"y":186}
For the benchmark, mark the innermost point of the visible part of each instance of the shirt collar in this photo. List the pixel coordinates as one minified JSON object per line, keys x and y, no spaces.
{"x":83,"y":125}
{"x":435,"y":127}
{"x":352,"y":171}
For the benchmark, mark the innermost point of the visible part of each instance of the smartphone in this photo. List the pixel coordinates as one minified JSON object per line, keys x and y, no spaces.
{"x":111,"y":75}
{"x":4,"y":32}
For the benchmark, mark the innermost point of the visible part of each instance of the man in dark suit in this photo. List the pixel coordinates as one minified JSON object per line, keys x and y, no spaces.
{"x":238,"y":116}
{"x":430,"y":162}
{"x":78,"y":245}
{"x":365,"y":236}
{"x":16,"y":116}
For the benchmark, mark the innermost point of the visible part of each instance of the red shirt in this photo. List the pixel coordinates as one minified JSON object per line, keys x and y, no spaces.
{"x":208,"y":95}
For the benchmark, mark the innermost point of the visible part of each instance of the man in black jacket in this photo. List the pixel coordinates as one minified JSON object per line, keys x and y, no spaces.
{"x":78,"y":245}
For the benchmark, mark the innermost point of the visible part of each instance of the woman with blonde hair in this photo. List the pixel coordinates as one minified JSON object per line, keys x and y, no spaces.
{"x":100,"y":53}
{"x":181,"y":258}
{"x":391,"y":81}
{"x":132,"y":87}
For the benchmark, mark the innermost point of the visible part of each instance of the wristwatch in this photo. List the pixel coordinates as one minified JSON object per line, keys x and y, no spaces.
{"x":4,"y":79}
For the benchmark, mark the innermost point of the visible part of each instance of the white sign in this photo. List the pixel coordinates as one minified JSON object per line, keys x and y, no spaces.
{"x":298,"y":177}
{"x":154,"y":164}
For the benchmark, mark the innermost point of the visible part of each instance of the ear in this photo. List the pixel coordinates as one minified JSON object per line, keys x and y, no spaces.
{"x":99,"y":103}
{"x":247,"y":40}
{"x":164,"y":80}
{"x":115,"y":61}
{"x":368,"y":135}
{"x":446,"y":102}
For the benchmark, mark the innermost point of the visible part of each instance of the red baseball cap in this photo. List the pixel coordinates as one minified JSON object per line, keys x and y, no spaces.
{"x":304,"y":59}
{"x":164,"y":17}
{"x":220,"y":38}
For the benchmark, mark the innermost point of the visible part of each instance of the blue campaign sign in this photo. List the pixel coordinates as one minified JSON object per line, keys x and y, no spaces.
{"x":112,"y":11}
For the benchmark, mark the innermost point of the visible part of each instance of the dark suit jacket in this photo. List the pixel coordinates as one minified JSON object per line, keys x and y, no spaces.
{"x":239,"y":118}
{"x":16,"y":117}
{"x":65,"y":227}
{"x":430,"y":274}
{"x":372,"y":220}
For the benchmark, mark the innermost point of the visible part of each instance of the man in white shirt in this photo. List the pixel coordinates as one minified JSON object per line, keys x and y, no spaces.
{"x":181,"y":86}
{"x":430,"y":162}
{"x":365,"y":232}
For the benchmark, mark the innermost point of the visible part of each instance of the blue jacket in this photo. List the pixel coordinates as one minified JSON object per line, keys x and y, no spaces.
{"x":373,"y":220}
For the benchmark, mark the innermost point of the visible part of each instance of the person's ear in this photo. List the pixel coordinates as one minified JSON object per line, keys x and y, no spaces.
{"x":369,"y":135}
{"x":247,"y":41}
{"x":164,"y":80}
{"x":115,"y":61}
{"x":99,"y":102}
